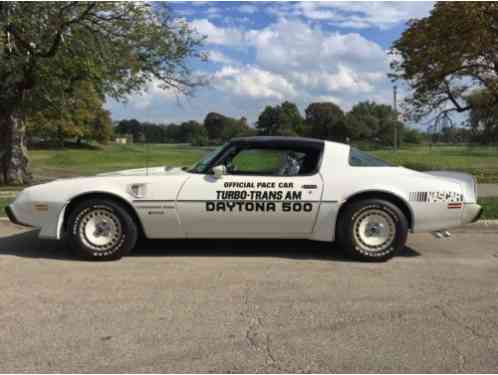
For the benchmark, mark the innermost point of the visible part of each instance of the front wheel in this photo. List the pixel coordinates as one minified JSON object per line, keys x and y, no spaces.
{"x":100,"y":229}
{"x":372,"y":229}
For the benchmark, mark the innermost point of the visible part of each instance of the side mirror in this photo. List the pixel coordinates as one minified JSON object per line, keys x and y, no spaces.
{"x":219,"y":171}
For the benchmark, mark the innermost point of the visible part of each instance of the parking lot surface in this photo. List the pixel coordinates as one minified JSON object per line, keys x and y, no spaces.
{"x":250,"y":306}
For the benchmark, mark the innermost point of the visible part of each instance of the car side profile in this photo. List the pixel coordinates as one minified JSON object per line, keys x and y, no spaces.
{"x":254,"y":187}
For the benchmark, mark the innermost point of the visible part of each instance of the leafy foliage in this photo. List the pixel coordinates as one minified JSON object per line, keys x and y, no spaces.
{"x":221,"y":128}
{"x":483,"y":119}
{"x":82,"y":117}
{"x":283,"y":119}
{"x":47,"y":48}
{"x":326,"y":121}
{"x":444,"y":56}
{"x":369,"y":120}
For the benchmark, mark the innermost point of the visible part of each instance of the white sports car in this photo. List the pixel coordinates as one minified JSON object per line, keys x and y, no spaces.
{"x":257,"y":187}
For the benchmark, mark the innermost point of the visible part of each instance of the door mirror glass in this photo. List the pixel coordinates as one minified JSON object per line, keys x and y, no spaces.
{"x":219,"y":171}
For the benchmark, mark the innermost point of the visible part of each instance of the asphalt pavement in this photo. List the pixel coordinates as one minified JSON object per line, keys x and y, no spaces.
{"x":250,"y":306}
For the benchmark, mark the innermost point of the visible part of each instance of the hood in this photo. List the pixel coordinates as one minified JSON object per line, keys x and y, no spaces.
{"x":466,"y":181}
{"x":151,"y":171}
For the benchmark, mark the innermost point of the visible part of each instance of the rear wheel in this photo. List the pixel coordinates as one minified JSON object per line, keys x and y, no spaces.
{"x":100,"y":229}
{"x":372,"y":229}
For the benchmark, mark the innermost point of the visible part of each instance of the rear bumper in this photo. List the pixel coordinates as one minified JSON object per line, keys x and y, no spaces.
{"x":12,"y":217}
{"x":471,"y":213}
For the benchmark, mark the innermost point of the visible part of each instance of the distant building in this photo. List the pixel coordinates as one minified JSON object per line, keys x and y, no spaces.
{"x":124,"y":139}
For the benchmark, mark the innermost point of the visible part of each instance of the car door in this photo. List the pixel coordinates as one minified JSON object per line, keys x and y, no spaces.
{"x":259,"y":196}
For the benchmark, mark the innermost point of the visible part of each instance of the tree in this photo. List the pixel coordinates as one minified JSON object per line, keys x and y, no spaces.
{"x":412,"y":136}
{"x":373,"y":121}
{"x":483,"y":118}
{"x":200,"y":136}
{"x":47,"y":47}
{"x":81,"y":116}
{"x":101,"y":127}
{"x":215,"y":124}
{"x":190,"y":129}
{"x":132,"y":127}
{"x":221,"y":128}
{"x":326,"y":121}
{"x":173,"y":133}
{"x":283,"y":119}
{"x":446,"y":55}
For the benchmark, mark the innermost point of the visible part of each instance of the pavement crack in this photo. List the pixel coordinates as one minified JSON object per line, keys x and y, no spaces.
{"x":255,"y":334}
{"x":268,"y":349}
{"x":456,"y":321}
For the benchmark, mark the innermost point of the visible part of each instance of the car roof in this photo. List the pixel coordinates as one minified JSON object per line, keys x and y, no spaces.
{"x":278,"y":141}
{"x":283,"y":142}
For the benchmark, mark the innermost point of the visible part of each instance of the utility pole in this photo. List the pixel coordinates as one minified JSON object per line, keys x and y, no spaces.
{"x":395,"y":107}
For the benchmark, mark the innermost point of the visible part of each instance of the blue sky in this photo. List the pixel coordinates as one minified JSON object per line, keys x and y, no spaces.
{"x":264,"y":53}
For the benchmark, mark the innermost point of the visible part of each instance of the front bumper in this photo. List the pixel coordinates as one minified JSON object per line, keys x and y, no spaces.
{"x":471,"y":213}
{"x":12,"y":217}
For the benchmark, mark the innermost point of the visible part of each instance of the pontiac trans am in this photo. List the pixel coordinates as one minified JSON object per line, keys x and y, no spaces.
{"x":255,"y":187}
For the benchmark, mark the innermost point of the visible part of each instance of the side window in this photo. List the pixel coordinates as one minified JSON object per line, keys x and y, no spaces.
{"x":270,"y":162}
{"x":256,"y":161}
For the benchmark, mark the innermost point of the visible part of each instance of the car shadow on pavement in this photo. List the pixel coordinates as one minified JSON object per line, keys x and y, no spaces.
{"x":27,"y":244}
{"x":290,"y":249}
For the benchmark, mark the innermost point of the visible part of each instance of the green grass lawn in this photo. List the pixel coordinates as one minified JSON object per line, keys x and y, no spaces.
{"x":490,"y":206}
{"x":84,"y":162}
{"x":4,"y":202}
{"x":482,"y":162}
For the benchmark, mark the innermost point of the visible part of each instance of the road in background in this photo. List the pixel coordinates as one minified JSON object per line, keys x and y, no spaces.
{"x":250,"y":306}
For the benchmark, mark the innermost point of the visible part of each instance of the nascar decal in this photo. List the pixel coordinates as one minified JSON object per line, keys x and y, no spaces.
{"x":259,"y":197}
{"x":436,"y":197}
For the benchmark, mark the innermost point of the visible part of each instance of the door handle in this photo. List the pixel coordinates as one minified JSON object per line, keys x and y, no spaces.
{"x":309,"y":187}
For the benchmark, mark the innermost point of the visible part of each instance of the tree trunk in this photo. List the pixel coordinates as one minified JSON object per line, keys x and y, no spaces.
{"x":15,"y":163}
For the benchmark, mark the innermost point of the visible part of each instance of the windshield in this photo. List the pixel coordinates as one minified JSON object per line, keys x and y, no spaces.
{"x":202,"y":164}
{"x":359,"y":158}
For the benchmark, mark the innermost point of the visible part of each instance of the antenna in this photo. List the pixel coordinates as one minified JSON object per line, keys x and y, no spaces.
{"x":395,"y":108}
{"x":146,"y":155}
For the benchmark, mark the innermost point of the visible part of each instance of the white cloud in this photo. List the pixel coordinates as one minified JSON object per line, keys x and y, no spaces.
{"x":218,"y":35}
{"x":294,"y":44}
{"x":253,"y":82}
{"x":294,"y":58}
{"x":382,"y":15}
{"x":298,"y":62}
{"x":219,"y":57}
{"x":248,"y":8}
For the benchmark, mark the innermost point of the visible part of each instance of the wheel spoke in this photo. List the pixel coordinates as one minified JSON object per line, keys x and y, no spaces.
{"x":374,"y":230}
{"x":100,"y":229}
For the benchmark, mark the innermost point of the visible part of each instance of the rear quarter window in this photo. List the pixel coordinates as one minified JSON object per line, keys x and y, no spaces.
{"x":359,"y":158}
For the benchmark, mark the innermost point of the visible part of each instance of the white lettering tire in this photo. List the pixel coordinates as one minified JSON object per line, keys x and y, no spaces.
{"x":372,"y":230}
{"x":101,"y":229}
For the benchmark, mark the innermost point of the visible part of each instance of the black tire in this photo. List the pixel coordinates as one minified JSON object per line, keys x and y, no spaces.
{"x":108,"y":221}
{"x":364,"y":223}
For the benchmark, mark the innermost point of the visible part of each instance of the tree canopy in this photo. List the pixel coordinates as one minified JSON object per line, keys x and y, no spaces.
{"x":221,"y":128}
{"x":444,"y":56}
{"x":119,"y":47}
{"x":369,"y":120}
{"x":283,"y":119}
{"x":326,"y":120}
{"x":483,"y":117}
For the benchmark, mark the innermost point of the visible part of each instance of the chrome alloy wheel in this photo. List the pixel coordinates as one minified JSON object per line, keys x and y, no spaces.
{"x":100,"y":229}
{"x":374,"y":230}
